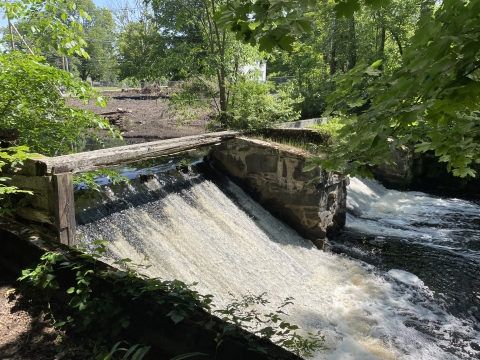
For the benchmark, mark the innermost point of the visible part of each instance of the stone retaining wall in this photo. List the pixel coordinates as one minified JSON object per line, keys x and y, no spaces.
{"x":272,"y":174}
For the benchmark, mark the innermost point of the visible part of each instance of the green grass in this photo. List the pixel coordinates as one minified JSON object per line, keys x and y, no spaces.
{"x":301,"y":144}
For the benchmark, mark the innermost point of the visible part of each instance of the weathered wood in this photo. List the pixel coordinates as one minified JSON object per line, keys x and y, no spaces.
{"x":36,"y":215}
{"x":51,"y":179}
{"x":92,"y":160}
{"x":30,"y":182}
{"x":64,"y":207}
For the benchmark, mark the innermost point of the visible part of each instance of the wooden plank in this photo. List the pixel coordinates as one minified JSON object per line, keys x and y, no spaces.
{"x":92,"y":160}
{"x":64,"y":207}
{"x":36,"y":215}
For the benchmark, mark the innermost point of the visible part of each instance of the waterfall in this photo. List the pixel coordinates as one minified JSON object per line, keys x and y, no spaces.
{"x":207,"y":230}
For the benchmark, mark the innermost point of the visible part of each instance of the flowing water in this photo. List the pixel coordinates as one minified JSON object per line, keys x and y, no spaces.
{"x":205,"y":229}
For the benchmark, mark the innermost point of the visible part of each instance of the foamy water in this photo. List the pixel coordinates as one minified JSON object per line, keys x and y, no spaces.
{"x":216,"y":235}
{"x":442,"y":222}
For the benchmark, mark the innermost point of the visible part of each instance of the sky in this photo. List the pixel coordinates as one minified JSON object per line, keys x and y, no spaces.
{"x":111,"y":4}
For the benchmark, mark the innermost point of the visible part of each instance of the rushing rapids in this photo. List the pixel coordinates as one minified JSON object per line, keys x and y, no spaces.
{"x":205,"y":229}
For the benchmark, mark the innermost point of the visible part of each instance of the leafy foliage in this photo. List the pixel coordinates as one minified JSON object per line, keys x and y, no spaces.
{"x":140,"y":52}
{"x":98,"y":30}
{"x":137,"y":352}
{"x":11,"y":157}
{"x":194,"y":97}
{"x":86,"y":28}
{"x":332,"y":127}
{"x":243,"y":313}
{"x":46,"y":24}
{"x":251,"y":105}
{"x":432,"y":101}
{"x":101,"y":313}
{"x":335,"y":45}
{"x":254,"y":105}
{"x":32,"y":103}
{"x":278,"y":23}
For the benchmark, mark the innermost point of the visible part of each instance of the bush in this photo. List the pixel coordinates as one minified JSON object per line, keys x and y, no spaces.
{"x":252,"y":105}
{"x":332,"y":128}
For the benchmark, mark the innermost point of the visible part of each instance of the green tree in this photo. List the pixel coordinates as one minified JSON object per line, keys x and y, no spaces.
{"x":98,"y":30}
{"x":201,"y":52}
{"x":31,"y":100}
{"x":32,"y":103}
{"x":46,"y":29}
{"x":191,"y":22}
{"x":93,"y":28}
{"x":432,"y":101}
{"x":335,"y":45}
{"x":142,"y":52}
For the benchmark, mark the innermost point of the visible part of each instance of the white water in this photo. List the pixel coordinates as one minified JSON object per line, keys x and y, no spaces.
{"x":430,"y":220}
{"x":200,"y":234}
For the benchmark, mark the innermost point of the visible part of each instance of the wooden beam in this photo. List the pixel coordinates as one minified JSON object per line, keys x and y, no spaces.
{"x":92,"y":160}
{"x":64,"y":207}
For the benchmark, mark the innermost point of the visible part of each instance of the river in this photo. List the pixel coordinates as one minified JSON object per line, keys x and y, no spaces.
{"x":400,"y":282}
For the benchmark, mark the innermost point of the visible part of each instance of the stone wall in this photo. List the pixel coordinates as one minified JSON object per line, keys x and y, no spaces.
{"x":400,"y":176}
{"x":272,"y":174}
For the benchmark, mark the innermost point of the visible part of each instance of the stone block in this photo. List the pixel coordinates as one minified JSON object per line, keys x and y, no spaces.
{"x":258,"y":163}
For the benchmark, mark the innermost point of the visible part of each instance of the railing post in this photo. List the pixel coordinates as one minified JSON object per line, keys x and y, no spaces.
{"x":62,"y":201}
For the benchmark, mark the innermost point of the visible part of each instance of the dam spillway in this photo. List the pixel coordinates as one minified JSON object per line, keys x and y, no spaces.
{"x":205,"y":229}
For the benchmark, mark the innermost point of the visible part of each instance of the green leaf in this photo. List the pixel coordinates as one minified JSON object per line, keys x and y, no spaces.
{"x":186,"y":356}
{"x":254,"y":25}
{"x":377,"y":63}
{"x":177,"y":318}
{"x":346,"y":8}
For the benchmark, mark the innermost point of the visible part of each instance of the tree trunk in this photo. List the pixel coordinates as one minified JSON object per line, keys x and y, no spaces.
{"x":381,"y":48}
{"x":397,"y":40}
{"x":352,"y":54}
{"x":333,"y":59}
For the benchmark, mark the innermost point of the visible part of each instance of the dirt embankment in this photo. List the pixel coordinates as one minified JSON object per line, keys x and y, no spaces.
{"x":141,"y":115}
{"x":26,"y":327}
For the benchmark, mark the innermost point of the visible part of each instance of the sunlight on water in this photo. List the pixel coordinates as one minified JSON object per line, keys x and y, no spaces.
{"x":219,"y":237}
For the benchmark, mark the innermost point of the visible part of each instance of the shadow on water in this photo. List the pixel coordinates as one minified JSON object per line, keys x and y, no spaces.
{"x":454,"y":279}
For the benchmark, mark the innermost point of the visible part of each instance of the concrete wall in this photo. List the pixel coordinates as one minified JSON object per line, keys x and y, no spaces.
{"x":273,"y":176}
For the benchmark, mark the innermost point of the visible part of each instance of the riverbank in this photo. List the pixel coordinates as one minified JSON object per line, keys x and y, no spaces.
{"x":26,"y":327}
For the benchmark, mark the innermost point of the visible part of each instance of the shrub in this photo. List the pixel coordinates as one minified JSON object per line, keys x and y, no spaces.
{"x":253,"y":106}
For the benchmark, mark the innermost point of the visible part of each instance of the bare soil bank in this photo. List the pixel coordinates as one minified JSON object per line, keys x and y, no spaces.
{"x":143,"y":120}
